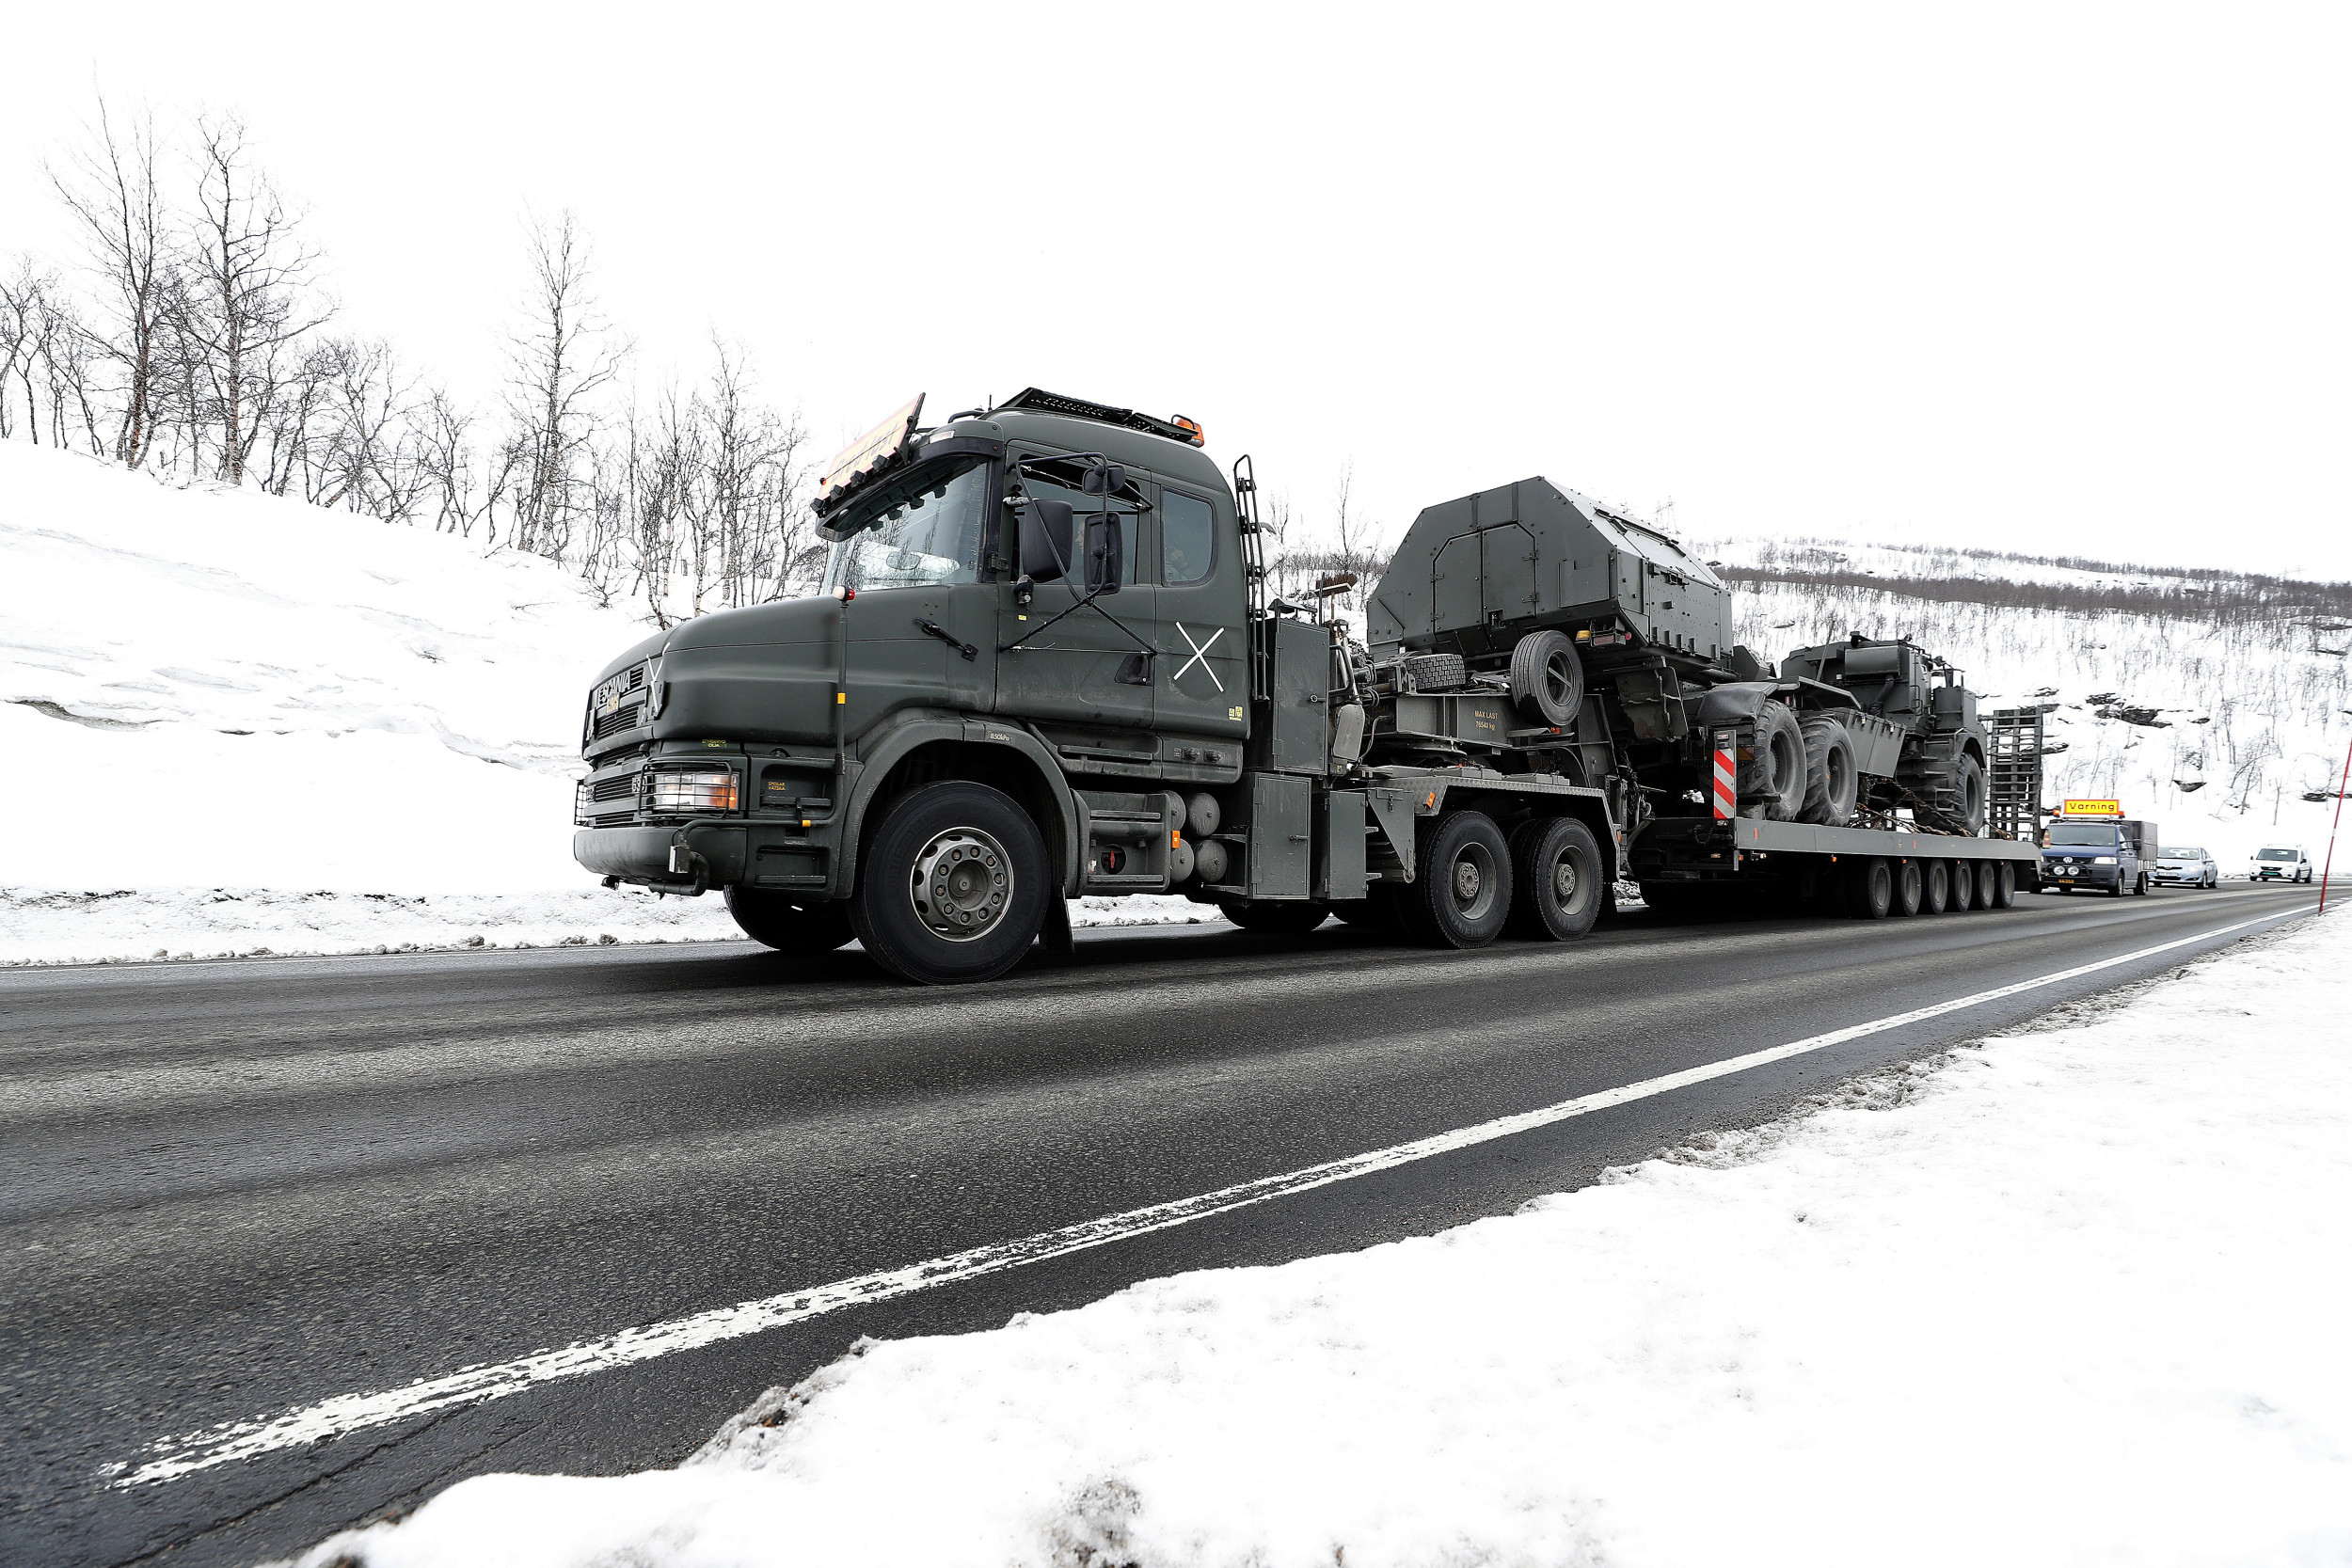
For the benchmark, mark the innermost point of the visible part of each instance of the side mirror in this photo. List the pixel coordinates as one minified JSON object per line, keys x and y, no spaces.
{"x":1107,"y":554}
{"x":1103,"y":479}
{"x":1047,"y":536}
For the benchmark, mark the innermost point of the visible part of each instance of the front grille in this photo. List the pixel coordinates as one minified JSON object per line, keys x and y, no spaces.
{"x":617,"y":787}
{"x":627,"y":718}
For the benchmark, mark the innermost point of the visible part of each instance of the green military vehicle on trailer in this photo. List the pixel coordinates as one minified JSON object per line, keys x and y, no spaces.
{"x":1044,"y":664}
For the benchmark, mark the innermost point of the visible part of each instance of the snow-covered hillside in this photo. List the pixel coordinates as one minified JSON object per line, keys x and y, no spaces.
{"x":238,"y":714}
{"x":2235,"y":689}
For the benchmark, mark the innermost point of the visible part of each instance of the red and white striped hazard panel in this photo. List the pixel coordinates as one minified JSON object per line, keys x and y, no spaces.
{"x":1727,"y":792}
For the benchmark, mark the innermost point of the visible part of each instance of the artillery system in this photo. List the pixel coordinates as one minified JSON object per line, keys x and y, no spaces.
{"x":1613,"y":648}
{"x":1044,"y":664}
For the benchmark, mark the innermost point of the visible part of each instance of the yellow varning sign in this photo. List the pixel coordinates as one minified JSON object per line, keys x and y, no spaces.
{"x":2092,"y":808}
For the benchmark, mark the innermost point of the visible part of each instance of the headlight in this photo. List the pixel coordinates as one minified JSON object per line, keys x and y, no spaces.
{"x":693,"y":792}
{"x":2104,"y":860}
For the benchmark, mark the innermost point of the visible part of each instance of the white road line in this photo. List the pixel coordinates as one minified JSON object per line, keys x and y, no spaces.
{"x":169,"y":1458}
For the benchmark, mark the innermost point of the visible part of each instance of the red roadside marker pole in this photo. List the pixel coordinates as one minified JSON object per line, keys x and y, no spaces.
{"x":2329,"y":865}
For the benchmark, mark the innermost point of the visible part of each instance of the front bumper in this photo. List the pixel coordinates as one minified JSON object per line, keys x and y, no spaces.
{"x":2089,"y":876}
{"x":693,"y":857}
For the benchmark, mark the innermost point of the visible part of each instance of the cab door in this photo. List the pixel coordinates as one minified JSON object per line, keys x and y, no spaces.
{"x":1062,"y":664}
{"x":1203,"y":675}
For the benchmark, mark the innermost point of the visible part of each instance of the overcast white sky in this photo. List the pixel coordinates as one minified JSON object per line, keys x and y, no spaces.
{"x":2044,"y":277}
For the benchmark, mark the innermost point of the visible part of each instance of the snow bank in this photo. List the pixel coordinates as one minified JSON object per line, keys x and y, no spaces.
{"x":2073,"y":1296}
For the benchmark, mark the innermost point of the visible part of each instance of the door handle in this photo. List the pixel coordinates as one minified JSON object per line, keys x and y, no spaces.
{"x":935,"y":629}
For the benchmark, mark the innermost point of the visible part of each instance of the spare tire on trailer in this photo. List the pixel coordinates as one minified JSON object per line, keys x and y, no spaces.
{"x":1831,"y":782}
{"x":771,"y":917}
{"x":1436,"y":671}
{"x":1547,"y":679}
{"x":1771,"y":781}
{"x":1463,"y":893}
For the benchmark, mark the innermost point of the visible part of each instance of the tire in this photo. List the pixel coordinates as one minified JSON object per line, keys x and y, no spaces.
{"x":1771,"y":784}
{"x":1909,"y":887}
{"x":1871,"y":889}
{"x":964,"y":836}
{"x":772,"y":918}
{"x":1984,"y":872}
{"x":1830,"y":782}
{"x":2139,"y":885}
{"x":1277,"y":919}
{"x":2004,"y":886}
{"x":1462,"y":895}
{"x":1547,"y":679}
{"x":1937,"y":895}
{"x":1969,"y":780}
{"x":1556,"y":881}
{"x":1963,"y":887}
{"x":1436,"y":671}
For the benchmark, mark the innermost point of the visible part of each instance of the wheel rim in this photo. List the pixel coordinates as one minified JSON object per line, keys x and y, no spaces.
{"x":1569,"y":880}
{"x":1559,"y":683}
{"x":961,"y":884}
{"x":1474,"y":883}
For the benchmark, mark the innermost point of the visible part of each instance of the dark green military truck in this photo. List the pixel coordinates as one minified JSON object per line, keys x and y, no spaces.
{"x":1044,"y":664}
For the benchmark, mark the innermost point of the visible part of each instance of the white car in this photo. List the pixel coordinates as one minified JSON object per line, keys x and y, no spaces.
{"x":2186,"y":867}
{"x":2279,"y":865}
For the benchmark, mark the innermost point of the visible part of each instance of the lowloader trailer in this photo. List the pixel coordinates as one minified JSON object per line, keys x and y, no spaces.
{"x":1044,"y":664}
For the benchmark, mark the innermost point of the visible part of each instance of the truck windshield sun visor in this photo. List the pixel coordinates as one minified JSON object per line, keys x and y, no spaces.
{"x":922,"y":530}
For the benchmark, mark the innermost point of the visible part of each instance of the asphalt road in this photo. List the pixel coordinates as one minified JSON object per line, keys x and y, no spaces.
{"x":235,"y":1188}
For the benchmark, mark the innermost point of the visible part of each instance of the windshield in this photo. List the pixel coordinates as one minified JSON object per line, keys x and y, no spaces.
{"x":2184,"y":854}
{"x":931,"y":535}
{"x":2083,"y":833}
{"x":2276,"y":855}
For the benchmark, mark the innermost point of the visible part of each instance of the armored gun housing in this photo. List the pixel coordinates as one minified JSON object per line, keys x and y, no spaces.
{"x":1614,"y":646}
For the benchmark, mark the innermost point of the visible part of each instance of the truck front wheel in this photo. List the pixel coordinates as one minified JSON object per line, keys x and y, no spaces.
{"x":1556,"y":883}
{"x":1463,"y":895}
{"x":952,"y":886}
{"x":787,"y":926}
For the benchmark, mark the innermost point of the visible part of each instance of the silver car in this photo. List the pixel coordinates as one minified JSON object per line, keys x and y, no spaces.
{"x":2186,"y":867}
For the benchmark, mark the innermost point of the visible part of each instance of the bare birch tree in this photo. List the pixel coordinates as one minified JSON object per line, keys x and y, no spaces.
{"x":110,"y":186}
{"x":561,"y":361}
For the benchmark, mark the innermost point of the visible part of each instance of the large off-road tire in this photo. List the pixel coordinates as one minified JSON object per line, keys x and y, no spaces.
{"x":1557,"y":885}
{"x":952,"y":886}
{"x":1282,"y":919}
{"x":816,"y":926}
{"x":1771,"y":781}
{"x":1463,"y":893}
{"x":1963,"y":886}
{"x":1937,"y":896}
{"x":1547,"y":679}
{"x":2004,"y":886}
{"x":1968,"y":788}
{"x":1910,"y":888}
{"x":1830,"y":782}
{"x":1436,"y":671}
{"x":1870,"y":888}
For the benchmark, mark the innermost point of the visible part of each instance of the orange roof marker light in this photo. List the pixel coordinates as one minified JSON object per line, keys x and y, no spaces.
{"x":1193,"y":425}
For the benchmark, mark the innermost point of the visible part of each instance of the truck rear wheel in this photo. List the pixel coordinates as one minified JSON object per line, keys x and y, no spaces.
{"x":1463,"y":894}
{"x":1938,"y":895}
{"x":1556,"y":884}
{"x":952,"y":886}
{"x":2004,"y":886}
{"x":1963,"y":886}
{"x":1909,"y":887}
{"x":1869,"y":889}
{"x":1987,"y":874}
{"x":1547,"y":679}
{"x":787,"y":926}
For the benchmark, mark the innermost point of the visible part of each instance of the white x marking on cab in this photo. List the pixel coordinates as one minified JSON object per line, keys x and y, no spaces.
{"x":1200,"y":657}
